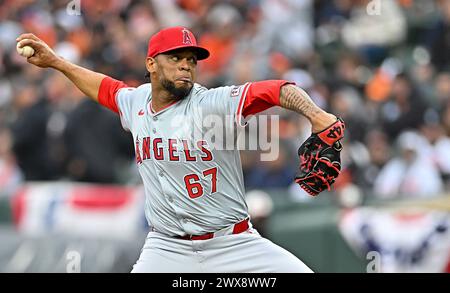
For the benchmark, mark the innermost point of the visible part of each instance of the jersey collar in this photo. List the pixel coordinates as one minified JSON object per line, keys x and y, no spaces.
{"x":153,"y":113}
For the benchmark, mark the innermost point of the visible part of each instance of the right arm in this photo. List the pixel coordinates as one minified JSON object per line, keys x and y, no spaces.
{"x":86,"y":80}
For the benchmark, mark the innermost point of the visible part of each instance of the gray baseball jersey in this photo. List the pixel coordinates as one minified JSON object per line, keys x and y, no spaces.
{"x":190,"y":186}
{"x":193,"y":178}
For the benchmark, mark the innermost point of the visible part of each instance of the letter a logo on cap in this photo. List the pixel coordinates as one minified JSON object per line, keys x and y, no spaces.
{"x":186,"y":37}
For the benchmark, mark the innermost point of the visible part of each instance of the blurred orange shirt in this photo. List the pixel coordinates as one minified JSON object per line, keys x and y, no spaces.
{"x":221,"y":52}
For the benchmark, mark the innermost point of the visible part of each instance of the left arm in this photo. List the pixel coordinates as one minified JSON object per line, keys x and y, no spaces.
{"x":262,"y":95}
{"x":320,"y":161}
{"x":296,"y":99}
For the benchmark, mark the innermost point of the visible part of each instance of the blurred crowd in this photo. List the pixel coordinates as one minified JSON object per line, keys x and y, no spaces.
{"x":383,"y":66}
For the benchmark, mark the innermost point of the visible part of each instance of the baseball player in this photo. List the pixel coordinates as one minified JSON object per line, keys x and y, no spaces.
{"x":195,"y":202}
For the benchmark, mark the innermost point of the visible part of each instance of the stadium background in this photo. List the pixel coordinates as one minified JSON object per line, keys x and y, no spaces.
{"x":69,"y":189}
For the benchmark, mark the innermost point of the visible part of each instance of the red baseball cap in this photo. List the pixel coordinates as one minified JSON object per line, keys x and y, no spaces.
{"x":175,"y":38}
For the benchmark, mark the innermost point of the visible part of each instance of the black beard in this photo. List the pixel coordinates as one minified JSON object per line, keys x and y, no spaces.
{"x":178,"y":93}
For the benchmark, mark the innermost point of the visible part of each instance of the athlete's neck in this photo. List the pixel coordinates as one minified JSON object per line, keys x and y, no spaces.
{"x":161,"y":99}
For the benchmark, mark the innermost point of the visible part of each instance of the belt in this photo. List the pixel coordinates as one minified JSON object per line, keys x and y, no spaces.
{"x":237,"y":228}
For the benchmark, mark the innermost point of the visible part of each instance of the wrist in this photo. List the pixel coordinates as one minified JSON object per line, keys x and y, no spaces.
{"x":322,"y":121}
{"x":59,"y":64}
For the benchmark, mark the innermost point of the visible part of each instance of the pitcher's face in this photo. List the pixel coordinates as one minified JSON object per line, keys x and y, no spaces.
{"x":175,"y":71}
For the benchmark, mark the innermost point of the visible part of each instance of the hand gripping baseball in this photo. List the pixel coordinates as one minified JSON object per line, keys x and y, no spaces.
{"x":43,"y":55}
{"x":320,"y":161}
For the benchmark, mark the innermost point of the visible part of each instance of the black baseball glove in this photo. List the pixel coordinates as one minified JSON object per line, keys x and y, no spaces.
{"x":320,"y":159}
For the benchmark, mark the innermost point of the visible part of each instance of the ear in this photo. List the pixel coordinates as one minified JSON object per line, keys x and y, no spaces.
{"x":151,"y":64}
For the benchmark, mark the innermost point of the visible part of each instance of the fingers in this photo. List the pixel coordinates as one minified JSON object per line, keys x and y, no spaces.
{"x":27,"y":36}
{"x":29,"y":42}
{"x":35,"y":60}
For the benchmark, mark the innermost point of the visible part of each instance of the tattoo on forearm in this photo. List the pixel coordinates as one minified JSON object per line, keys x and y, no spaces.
{"x":296,"y":99}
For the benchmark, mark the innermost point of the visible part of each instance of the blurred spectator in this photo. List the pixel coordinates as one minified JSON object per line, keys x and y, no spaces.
{"x":243,"y":67}
{"x":440,"y":37}
{"x":380,"y":153}
{"x":287,"y":26}
{"x":445,"y":118}
{"x":348,"y":71}
{"x":405,"y":108}
{"x":442,"y":89}
{"x":277,"y":173}
{"x":10,"y":175}
{"x":29,"y":131}
{"x":375,"y":32}
{"x":413,"y":174}
{"x":96,"y":144}
{"x":423,"y":77}
{"x":439,"y":142}
{"x":354,"y":161}
{"x":347,"y":104}
{"x":224,"y":23}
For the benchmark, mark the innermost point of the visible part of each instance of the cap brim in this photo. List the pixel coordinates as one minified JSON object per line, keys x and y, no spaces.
{"x":201,"y":52}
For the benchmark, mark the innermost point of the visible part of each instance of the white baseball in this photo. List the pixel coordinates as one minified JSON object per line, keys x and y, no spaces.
{"x":25,"y":51}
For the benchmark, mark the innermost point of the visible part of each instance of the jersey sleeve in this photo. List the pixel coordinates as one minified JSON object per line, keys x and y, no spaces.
{"x":116,"y":96}
{"x":242,"y":101}
{"x":261,"y":95}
